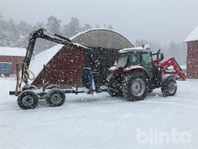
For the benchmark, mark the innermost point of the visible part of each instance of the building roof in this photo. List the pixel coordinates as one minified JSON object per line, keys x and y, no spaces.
{"x":102,"y":37}
{"x":8,"y":51}
{"x":193,"y":36}
{"x":134,"y":49}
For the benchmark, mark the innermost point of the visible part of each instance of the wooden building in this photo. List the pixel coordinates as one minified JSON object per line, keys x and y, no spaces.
{"x":12,"y":55}
{"x":192,"y":54}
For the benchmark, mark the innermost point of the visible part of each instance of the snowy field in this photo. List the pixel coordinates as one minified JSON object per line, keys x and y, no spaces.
{"x":102,"y":122}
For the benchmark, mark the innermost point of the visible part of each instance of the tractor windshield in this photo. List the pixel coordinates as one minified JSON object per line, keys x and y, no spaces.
{"x":122,"y":60}
{"x":146,"y":59}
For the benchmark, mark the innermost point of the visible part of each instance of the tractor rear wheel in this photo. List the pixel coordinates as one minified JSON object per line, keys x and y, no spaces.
{"x":27,"y":100}
{"x":137,"y":87}
{"x":55,"y":98}
{"x":169,"y":87}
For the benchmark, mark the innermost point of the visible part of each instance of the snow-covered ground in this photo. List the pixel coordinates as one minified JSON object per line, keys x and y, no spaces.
{"x":102,"y":122}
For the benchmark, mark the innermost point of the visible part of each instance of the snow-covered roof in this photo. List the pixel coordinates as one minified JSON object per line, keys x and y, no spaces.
{"x":193,"y":36}
{"x":94,"y":29}
{"x":133,"y":49}
{"x":8,"y":51}
{"x":102,"y":37}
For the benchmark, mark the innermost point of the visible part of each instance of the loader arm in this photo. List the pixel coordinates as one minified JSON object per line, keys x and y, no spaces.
{"x":40,"y":33}
{"x":176,"y":68}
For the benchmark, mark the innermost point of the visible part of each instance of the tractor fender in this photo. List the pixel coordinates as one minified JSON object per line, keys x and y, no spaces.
{"x":167,"y":77}
{"x":131,"y":69}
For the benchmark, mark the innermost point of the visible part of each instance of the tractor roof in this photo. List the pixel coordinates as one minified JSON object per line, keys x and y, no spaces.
{"x":140,"y":49}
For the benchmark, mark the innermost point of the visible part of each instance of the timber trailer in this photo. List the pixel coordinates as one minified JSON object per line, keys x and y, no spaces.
{"x":29,"y":94}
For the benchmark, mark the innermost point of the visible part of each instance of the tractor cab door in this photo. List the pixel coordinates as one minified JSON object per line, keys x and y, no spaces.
{"x":146,"y":62}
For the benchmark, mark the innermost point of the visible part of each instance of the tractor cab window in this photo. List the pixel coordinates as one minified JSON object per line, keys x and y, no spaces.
{"x":134,"y":58}
{"x":122,"y":60}
{"x":146,"y":59}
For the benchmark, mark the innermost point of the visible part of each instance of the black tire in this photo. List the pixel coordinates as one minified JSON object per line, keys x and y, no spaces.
{"x":169,"y":87}
{"x":137,"y":86}
{"x":27,"y":100}
{"x":55,"y":98}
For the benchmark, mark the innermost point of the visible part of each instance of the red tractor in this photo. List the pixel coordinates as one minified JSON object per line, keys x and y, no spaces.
{"x":136,"y":74}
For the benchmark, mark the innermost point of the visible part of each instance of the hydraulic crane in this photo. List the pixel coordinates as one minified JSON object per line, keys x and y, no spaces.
{"x":40,"y":33}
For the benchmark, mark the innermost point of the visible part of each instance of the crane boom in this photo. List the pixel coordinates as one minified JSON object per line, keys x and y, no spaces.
{"x":40,"y":33}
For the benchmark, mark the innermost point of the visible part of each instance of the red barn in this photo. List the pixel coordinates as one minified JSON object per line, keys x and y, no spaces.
{"x":12,"y":55}
{"x":192,"y":54}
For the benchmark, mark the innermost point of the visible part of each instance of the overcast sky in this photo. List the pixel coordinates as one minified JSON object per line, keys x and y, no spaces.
{"x":155,"y":20}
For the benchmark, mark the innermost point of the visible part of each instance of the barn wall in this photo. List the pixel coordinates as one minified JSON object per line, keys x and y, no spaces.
{"x":192,"y":60}
{"x":13,"y":59}
{"x":64,"y":69}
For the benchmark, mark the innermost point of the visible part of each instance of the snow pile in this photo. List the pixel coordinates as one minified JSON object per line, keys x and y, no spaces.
{"x":43,"y":58}
{"x":8,"y":51}
{"x":193,"y":35}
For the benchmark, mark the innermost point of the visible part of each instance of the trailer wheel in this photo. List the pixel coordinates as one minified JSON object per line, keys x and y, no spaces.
{"x":169,"y":87}
{"x":27,"y":100}
{"x":55,"y":98}
{"x":137,"y":87}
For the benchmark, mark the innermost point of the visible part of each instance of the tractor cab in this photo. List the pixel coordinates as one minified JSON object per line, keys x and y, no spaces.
{"x":133,"y":58}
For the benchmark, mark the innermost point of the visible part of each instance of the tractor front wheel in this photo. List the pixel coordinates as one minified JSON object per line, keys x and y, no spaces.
{"x":169,"y":87}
